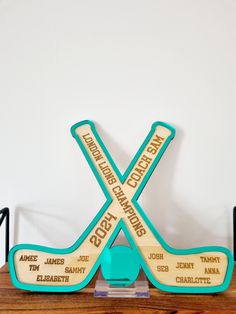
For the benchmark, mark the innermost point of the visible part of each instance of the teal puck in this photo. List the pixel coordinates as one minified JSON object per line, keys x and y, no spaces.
{"x":120,"y":265}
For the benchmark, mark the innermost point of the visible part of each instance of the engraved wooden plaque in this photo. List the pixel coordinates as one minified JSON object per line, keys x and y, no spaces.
{"x":199,"y":270}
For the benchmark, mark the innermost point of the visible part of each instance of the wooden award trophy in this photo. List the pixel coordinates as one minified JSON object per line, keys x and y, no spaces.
{"x":199,"y":270}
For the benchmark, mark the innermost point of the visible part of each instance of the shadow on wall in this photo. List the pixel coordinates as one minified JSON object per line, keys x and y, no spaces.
{"x":53,"y":229}
{"x":165,"y":213}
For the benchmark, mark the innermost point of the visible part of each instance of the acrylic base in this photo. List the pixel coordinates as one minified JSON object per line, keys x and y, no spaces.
{"x":139,"y":289}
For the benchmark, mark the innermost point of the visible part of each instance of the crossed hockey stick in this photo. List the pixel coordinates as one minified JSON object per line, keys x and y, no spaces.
{"x":198,"y":270}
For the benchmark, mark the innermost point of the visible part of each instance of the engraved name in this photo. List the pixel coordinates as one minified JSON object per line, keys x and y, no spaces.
{"x":194,"y":280}
{"x":210,"y":259}
{"x":28,"y":258}
{"x":212,"y":271}
{"x":49,"y":278}
{"x":83,"y":258}
{"x":156,"y":256}
{"x":34,"y":267}
{"x":76,"y":270}
{"x":139,"y":171}
{"x":163,"y":268}
{"x":55,"y":261}
{"x":185,"y":265}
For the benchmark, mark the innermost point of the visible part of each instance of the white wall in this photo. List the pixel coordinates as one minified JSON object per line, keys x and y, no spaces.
{"x":123,"y":64}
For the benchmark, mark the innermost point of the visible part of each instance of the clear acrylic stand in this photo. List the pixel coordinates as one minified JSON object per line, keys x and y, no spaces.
{"x":139,"y":289}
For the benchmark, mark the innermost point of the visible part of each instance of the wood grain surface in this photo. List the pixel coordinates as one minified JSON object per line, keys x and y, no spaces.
{"x":19,"y":301}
